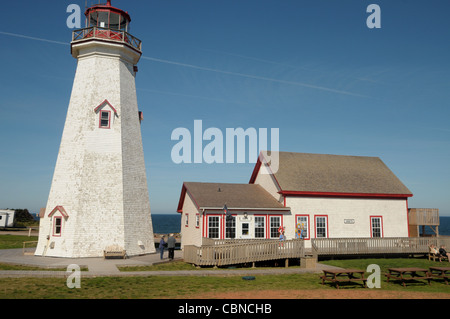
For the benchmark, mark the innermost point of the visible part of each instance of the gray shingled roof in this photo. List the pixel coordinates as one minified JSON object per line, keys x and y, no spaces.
{"x":304,"y":172}
{"x":216,"y":195}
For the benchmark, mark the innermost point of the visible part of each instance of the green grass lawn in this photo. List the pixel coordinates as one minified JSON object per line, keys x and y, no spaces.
{"x":154,"y":287}
{"x":15,"y":241}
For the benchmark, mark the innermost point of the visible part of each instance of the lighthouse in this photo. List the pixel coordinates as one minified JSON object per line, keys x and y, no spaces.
{"x":99,"y":196}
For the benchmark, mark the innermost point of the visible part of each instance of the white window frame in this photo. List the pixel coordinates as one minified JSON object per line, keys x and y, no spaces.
{"x":258,"y":229}
{"x":275,"y":228}
{"x":56,"y":226}
{"x":247,"y":228}
{"x":197,"y":220}
{"x":325,"y":225}
{"x":103,"y":119}
{"x":216,"y":228}
{"x":233,"y":226}
{"x":373,"y":227}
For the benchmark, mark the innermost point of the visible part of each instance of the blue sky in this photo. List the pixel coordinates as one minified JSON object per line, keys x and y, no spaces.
{"x":313,"y":69}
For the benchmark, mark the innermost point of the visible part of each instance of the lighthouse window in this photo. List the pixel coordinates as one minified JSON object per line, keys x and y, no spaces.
{"x":93,"y":19}
{"x":103,"y":19}
{"x":105,"y":117}
{"x":57,"y":226}
{"x":114,"y":21}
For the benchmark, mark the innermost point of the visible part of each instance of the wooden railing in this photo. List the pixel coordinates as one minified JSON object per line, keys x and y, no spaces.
{"x":238,"y":251}
{"x":367,"y":246}
{"x":424,"y":216}
{"x":104,"y":33}
{"x":242,"y":251}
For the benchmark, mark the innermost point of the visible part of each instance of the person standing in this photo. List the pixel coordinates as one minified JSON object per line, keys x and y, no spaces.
{"x":171,"y":246}
{"x":162,"y":244}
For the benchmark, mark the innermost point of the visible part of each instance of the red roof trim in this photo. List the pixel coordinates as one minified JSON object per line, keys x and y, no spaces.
{"x":59,"y":209}
{"x":181,"y":201}
{"x":343,"y":195}
{"x":184,"y":190}
{"x":107,"y":7}
{"x":102,"y":104}
{"x":255,"y":172}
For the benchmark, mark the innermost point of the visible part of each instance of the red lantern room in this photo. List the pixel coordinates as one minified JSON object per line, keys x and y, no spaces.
{"x":108,"y":17}
{"x":108,"y":23}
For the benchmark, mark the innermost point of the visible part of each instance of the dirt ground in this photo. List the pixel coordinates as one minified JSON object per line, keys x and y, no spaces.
{"x":324,"y":294}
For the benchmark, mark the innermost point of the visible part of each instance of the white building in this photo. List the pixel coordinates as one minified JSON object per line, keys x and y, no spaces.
{"x":7,"y":218}
{"x":310,"y":195}
{"x":99,"y":195}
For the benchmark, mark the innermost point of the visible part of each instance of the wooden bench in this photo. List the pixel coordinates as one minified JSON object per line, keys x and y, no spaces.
{"x":408,"y":274}
{"x":343,"y":275}
{"x":114,"y":252}
{"x":432,"y":255}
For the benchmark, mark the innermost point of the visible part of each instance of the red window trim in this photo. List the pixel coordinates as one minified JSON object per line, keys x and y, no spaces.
{"x":100,"y":119}
{"x":309,"y":225}
{"x":101,"y":105}
{"x":221,"y":225}
{"x":197,"y":220}
{"x":54,"y":226}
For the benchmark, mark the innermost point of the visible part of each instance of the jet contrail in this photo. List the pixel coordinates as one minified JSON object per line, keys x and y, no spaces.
{"x":197,"y":67}
{"x":33,"y":38}
{"x":254,"y":77}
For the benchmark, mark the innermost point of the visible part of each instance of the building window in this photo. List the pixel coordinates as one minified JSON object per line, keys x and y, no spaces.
{"x":57,"y":226}
{"x":376,"y":227}
{"x":245,"y":229}
{"x":302,"y":227}
{"x":260,"y":227}
{"x":197,"y":220}
{"x":275,"y":224}
{"x":105,"y":119}
{"x":321,"y":227}
{"x":213,"y":227}
{"x":186,"y":220}
{"x":230,"y":227}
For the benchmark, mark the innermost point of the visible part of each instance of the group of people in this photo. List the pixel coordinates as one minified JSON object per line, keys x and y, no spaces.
{"x":441,"y":252}
{"x":170,"y":244}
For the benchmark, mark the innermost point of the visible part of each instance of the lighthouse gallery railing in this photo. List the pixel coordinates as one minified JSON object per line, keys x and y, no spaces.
{"x":108,"y":34}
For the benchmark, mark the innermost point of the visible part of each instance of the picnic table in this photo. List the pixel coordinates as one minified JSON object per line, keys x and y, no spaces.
{"x":406,"y":274}
{"x":440,"y":272}
{"x":343,"y":275}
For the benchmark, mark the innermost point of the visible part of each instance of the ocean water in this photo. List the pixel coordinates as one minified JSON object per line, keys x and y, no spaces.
{"x":171,"y":223}
{"x":166,"y":223}
{"x":444,"y":227}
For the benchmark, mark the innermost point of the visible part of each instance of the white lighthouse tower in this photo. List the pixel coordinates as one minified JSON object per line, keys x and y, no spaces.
{"x":99,"y":196}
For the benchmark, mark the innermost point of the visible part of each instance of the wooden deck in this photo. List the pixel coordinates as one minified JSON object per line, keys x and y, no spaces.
{"x":369,"y":246}
{"x":238,"y":251}
{"x":232,"y":252}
